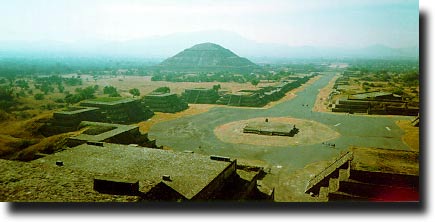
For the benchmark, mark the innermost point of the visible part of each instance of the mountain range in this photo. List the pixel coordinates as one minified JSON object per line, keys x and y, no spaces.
{"x":166,"y":46}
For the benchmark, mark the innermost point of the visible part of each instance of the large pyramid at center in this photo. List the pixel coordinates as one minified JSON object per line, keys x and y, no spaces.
{"x":207,"y":57}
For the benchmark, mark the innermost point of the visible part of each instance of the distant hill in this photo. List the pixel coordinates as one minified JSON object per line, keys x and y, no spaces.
{"x":207,"y":57}
{"x":159,"y":47}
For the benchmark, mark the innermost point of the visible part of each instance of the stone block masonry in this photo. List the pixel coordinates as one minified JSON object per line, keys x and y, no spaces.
{"x":111,"y":133}
{"x":362,"y":174}
{"x":123,"y":111}
{"x":164,"y":102}
{"x":264,"y":95}
{"x":69,"y":119}
{"x":200,"y":96}
{"x":271,"y":129}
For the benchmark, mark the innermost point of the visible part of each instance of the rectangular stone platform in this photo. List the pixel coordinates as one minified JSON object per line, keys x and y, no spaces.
{"x":271,"y":129}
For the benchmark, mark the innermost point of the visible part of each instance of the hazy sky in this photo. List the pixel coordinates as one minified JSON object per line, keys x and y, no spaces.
{"x":349,"y":23}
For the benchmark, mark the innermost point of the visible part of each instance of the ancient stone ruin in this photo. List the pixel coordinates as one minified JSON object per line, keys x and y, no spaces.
{"x":97,"y":132}
{"x":271,"y":128}
{"x":374,"y":103}
{"x":362,"y":174}
{"x":120,"y":110}
{"x":200,"y":96}
{"x":206,"y":57}
{"x":243,"y":98}
{"x":264,"y":95}
{"x":117,"y":169}
{"x":69,"y":119}
{"x":164,"y":102}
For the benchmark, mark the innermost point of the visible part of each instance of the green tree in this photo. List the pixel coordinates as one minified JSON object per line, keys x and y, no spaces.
{"x":39,"y":96}
{"x":61,"y":88}
{"x":46,"y":87}
{"x":217,"y":87}
{"x":22,"y":84}
{"x":134,"y":92}
{"x":255,"y":82}
{"x":6,"y":93}
{"x":110,"y":90}
{"x":87,"y":93}
{"x":73,"y":98}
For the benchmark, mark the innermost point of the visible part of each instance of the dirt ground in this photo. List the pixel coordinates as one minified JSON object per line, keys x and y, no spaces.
{"x":321,"y":104}
{"x":145,"y":85}
{"x":158,"y":117}
{"x":311,"y":132}
{"x":411,"y":136}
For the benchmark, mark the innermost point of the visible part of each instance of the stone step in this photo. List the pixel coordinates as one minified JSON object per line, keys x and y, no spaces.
{"x":343,"y":174}
{"x":324,"y":192}
{"x":334,"y":184}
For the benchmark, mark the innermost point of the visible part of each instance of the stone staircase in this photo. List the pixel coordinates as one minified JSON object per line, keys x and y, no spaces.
{"x":340,"y":182}
{"x":327,"y":180}
{"x":416,"y":121}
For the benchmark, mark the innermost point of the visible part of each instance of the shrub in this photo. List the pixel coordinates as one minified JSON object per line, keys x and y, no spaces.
{"x":110,"y":90}
{"x":134,"y":92}
{"x":59,"y":100}
{"x":39,"y":96}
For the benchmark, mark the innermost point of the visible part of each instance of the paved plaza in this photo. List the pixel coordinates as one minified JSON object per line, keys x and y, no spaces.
{"x":196,"y":132}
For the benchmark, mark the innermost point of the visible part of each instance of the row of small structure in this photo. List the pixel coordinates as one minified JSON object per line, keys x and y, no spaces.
{"x":383,"y":103}
{"x":130,"y":110}
{"x":251,"y":98}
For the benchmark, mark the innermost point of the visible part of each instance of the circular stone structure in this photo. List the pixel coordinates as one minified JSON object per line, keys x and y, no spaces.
{"x":310,"y":132}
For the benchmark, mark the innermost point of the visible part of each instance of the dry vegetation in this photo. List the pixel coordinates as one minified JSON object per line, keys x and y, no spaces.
{"x":21,"y":140}
{"x":411,"y":136}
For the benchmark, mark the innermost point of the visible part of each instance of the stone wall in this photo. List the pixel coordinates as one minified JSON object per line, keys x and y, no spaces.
{"x":264,"y":95}
{"x":118,"y":134}
{"x":123,"y":111}
{"x":69,"y":119}
{"x":200,"y":96}
{"x":217,"y":182}
{"x":167,"y":103}
{"x":374,"y":107}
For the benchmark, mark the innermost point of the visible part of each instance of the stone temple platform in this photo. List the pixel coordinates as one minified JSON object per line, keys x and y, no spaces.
{"x":248,"y":132}
{"x":271,"y":128}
